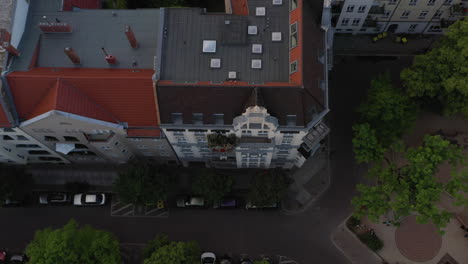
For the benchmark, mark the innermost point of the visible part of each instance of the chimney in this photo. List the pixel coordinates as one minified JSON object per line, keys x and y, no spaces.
{"x":131,"y":37}
{"x":59,"y":27}
{"x":72,"y":55}
{"x":5,"y":38}
{"x":109,"y":58}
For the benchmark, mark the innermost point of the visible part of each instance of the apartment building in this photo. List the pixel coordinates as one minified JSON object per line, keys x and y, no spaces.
{"x":398,"y":16}
{"x":80,"y":85}
{"x":242,"y":75}
{"x":226,"y":90}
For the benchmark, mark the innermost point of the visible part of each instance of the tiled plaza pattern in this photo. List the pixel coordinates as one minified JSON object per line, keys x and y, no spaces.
{"x":418,"y":242}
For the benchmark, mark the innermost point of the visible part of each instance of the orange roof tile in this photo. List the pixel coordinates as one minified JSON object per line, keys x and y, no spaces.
{"x":110,"y":95}
{"x":3,"y":119}
{"x":240,"y":7}
{"x":142,"y":132}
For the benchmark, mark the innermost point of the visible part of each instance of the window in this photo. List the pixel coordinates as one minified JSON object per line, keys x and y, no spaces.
{"x":135,"y":139}
{"x":438,"y":14}
{"x":412,"y":27}
{"x":293,"y":35}
{"x":356,"y":21}
{"x":124,"y":150}
{"x":350,"y":8}
{"x":413,"y":2}
{"x":68,"y":138}
{"x":423,"y":14}
{"x":197,"y":118}
{"x":50,"y":138}
{"x":38,"y":152}
{"x":116,"y":143}
{"x":448,"y":2}
{"x":293,"y":4}
{"x":434,"y":28}
{"x":142,"y":147}
{"x":293,"y":67}
{"x":392,"y":2}
{"x":7,"y":138}
{"x":386,"y":13}
{"x":19,"y":137}
{"x":405,"y":14}
{"x":27,"y":146}
{"x":344,"y":21}
{"x":361,"y":9}
{"x":105,"y":147}
{"x":431,"y":2}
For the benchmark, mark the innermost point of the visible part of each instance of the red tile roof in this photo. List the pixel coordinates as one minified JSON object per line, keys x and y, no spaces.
{"x":240,"y":7}
{"x":3,"y":119}
{"x":85,"y":4}
{"x":110,"y":95}
{"x":142,"y":132}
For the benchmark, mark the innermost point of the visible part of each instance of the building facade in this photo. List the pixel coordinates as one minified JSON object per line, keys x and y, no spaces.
{"x":397,"y":16}
{"x":100,"y":86}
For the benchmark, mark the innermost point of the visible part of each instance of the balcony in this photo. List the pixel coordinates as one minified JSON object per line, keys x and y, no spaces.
{"x":458,"y":10}
{"x":377,"y":10}
{"x":370,"y":23}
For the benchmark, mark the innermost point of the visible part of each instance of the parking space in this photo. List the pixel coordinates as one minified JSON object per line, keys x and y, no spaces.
{"x":121,"y":209}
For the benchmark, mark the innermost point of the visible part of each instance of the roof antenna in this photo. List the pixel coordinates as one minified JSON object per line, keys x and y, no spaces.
{"x":109,"y":58}
{"x":57,"y":20}
{"x":134,"y":64}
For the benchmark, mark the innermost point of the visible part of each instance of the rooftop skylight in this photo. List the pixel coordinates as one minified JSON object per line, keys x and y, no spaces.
{"x":252,"y":30}
{"x":256,"y":64}
{"x":257,"y":48}
{"x":276,"y":36}
{"x":260,"y":11}
{"x":215,"y":63}
{"x":209,"y":46}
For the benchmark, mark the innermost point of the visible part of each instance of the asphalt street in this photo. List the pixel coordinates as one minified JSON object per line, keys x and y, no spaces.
{"x":303,"y":237}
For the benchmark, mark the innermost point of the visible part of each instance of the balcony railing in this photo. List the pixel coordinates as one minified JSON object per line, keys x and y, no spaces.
{"x":377,"y":10}
{"x":370,"y":23}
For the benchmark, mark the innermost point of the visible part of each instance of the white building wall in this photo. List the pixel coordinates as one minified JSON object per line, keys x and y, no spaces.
{"x":19,"y":21}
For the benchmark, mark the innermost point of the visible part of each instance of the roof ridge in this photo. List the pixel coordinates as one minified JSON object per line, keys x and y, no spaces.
{"x":62,"y":95}
{"x":46,"y":102}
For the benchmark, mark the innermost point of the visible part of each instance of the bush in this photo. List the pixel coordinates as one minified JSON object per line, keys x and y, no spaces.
{"x":371,"y":240}
{"x":352,"y":222}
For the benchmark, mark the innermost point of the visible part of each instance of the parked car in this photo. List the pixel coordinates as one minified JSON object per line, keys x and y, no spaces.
{"x":208,"y":258}
{"x":12,"y":202}
{"x":225,"y":260}
{"x":246,"y":261}
{"x":227,"y":202}
{"x":54,"y":198}
{"x":190,"y":201}
{"x":3,"y":256}
{"x":17,"y":259}
{"x":250,"y":205}
{"x":89,"y":199}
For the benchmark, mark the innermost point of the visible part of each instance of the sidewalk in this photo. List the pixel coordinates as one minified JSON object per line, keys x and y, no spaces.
{"x":352,"y":248}
{"x":310,"y":182}
{"x":362,"y":45}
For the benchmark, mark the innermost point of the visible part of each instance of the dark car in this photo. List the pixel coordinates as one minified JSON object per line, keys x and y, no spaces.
{"x":17,"y":259}
{"x":228,"y":202}
{"x":54,"y":198}
{"x":3,"y":256}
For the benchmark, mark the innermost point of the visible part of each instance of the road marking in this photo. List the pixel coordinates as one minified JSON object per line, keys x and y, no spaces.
{"x":121,"y":208}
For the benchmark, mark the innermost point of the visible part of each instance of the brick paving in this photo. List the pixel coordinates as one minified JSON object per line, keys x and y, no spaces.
{"x":418,"y":242}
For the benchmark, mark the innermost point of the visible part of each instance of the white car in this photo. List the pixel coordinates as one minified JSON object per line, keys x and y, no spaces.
{"x":208,"y":258}
{"x":89,"y":199}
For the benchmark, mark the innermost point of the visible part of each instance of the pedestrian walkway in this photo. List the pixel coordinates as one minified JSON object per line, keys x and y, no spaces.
{"x":352,"y":247}
{"x":363,"y":45}
{"x":310,"y":182}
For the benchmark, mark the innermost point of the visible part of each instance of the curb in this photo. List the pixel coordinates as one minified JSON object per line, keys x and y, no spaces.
{"x":343,"y":225}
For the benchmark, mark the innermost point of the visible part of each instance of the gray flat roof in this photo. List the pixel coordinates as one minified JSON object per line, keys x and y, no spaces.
{"x":91,"y":30}
{"x":184,"y":61}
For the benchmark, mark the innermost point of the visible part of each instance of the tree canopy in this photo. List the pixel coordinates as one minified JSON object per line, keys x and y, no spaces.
{"x":15,"y":183}
{"x":73,"y":245}
{"x":268,"y":187}
{"x":212,"y":186}
{"x":142,"y":183}
{"x":412,"y":188}
{"x":366,"y":145}
{"x":162,"y":251}
{"x":440,"y":77}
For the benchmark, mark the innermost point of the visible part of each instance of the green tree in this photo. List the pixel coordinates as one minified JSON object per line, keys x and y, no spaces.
{"x":268,"y":187}
{"x":263,"y":261}
{"x":142,"y":183}
{"x":413,"y":188}
{"x":366,"y":145}
{"x":212,"y":186}
{"x":15,"y":183}
{"x":153,"y":245}
{"x":73,"y":245}
{"x":440,"y":77}
{"x":390,"y":112}
{"x":175,"y":253}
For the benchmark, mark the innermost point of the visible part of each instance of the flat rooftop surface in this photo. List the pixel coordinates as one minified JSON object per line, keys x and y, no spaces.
{"x":92,"y":29}
{"x":183,"y":57}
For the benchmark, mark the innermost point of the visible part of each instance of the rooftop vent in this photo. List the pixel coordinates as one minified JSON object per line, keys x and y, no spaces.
{"x":252,"y":30}
{"x":260,"y":11}
{"x":277,"y":2}
{"x":257,"y":48}
{"x":232,"y":75}
{"x":256,"y":64}
{"x":209,"y":46}
{"x":215,"y":63}
{"x":276,"y":36}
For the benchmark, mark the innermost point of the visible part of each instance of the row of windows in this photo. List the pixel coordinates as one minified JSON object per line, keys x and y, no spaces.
{"x":345,"y":21}
{"x":414,"y":2}
{"x":14,"y":137}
